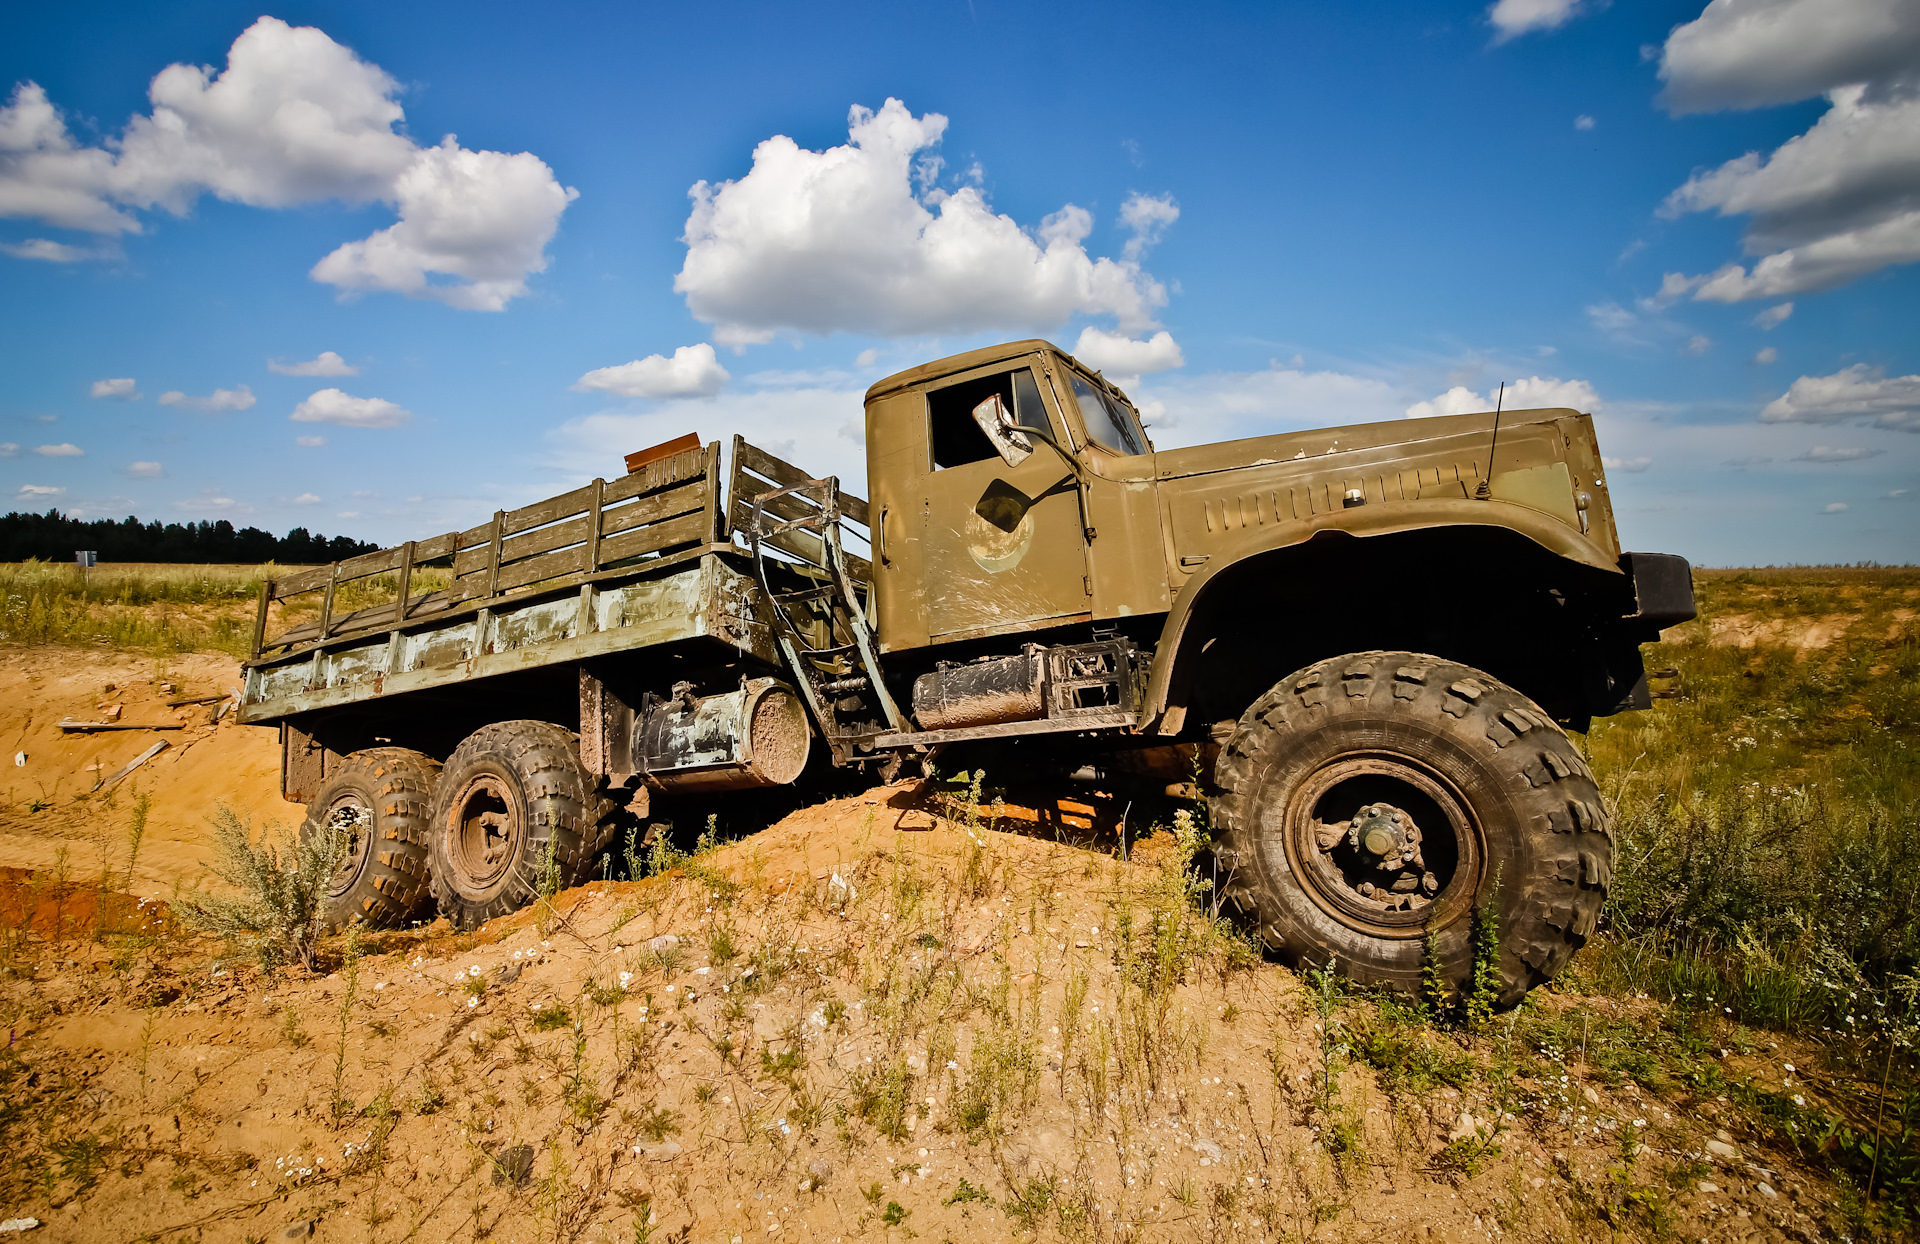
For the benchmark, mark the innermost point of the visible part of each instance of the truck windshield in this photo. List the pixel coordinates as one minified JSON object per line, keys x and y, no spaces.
{"x":1109,"y":424}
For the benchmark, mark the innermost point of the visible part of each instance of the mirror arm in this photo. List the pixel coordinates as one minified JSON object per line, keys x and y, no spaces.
{"x":1080,"y":485}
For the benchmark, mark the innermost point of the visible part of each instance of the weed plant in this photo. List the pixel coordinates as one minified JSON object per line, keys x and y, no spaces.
{"x":277,"y":892}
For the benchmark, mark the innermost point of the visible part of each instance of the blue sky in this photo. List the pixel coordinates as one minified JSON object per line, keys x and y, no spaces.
{"x":1697,"y":222}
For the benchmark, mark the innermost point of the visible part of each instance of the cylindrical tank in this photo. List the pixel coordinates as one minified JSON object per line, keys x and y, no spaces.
{"x":984,"y":693}
{"x":757,"y":735}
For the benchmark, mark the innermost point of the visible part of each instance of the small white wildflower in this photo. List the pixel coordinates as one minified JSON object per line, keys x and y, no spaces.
{"x":1788,"y":1066}
{"x":472,"y":1002}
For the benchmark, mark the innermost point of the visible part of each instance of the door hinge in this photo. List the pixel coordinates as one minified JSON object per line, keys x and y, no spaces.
{"x":1087,"y":581}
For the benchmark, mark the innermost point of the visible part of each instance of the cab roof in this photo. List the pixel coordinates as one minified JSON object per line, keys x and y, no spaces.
{"x":960,"y":362}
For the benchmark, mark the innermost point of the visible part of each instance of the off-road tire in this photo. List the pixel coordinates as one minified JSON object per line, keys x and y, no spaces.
{"x":527,"y":776}
{"x":380,"y":798}
{"x":1502,"y":773}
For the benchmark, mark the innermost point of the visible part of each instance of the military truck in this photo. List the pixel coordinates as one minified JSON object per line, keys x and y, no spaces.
{"x":1366,"y":643}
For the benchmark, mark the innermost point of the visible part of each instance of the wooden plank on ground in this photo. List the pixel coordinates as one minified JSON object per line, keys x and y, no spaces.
{"x":135,"y":763}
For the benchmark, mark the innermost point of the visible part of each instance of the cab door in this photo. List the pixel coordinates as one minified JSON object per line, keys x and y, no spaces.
{"x":1002,"y":547}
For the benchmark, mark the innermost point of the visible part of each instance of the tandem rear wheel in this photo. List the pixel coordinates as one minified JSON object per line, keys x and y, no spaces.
{"x":515,"y":815}
{"x":377,"y":802}
{"x":1369,"y":803}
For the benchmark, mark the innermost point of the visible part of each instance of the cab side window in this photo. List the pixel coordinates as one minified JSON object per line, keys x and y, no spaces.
{"x":955,"y":435}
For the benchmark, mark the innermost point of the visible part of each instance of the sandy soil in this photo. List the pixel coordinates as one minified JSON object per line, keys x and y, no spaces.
{"x":48,"y":773}
{"x":724,"y":1090}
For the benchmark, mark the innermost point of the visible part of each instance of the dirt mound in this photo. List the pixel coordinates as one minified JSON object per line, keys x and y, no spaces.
{"x":50,"y":803}
{"x":864,"y":1022}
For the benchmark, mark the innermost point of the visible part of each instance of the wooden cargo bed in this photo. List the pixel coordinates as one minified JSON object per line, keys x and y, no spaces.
{"x":646,"y":559}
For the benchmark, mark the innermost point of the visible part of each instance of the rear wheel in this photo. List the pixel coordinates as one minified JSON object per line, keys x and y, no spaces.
{"x":1371,"y":799}
{"x":377,"y":802}
{"x":514,"y":812}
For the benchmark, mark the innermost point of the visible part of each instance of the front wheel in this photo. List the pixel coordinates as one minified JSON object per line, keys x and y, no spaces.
{"x":515,"y":815}
{"x":1369,"y":803}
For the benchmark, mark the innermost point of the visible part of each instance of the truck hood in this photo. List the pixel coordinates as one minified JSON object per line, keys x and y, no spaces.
{"x":1546,"y":481}
{"x":1404,"y":439}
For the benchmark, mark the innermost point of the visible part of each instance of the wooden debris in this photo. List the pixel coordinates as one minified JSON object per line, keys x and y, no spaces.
{"x":88,"y":727}
{"x":196,"y":699}
{"x":135,"y":763}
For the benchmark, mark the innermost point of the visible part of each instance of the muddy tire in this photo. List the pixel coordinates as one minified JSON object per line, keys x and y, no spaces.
{"x":378,"y":800}
{"x":509,"y":794}
{"x":1367,"y":798}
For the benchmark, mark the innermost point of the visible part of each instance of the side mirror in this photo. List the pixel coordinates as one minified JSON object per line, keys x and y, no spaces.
{"x":1009,"y":438}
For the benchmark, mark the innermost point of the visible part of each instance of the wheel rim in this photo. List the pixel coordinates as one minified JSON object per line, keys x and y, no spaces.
{"x":1384,"y":845}
{"x":484,"y":831}
{"x":351,"y":819}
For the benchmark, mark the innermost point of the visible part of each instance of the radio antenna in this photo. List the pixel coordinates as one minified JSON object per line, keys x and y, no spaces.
{"x":1485,"y":491}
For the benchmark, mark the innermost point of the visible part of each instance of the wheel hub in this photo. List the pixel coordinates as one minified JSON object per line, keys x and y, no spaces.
{"x":485,"y":830}
{"x":1381,"y":844}
{"x":1387,"y":839}
{"x":351,"y":821}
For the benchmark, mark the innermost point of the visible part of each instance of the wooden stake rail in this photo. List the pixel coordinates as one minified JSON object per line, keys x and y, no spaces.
{"x":668,"y":505}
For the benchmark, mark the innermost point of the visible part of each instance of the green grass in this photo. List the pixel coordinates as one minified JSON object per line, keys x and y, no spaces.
{"x":1765,"y":814}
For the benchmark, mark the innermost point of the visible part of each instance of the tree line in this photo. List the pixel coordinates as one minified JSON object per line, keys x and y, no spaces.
{"x":55,"y":537}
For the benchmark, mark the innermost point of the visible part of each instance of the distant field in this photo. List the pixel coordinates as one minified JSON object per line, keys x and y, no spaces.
{"x":160,"y":608}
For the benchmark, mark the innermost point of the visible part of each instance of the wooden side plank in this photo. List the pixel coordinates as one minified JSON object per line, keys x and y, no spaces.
{"x":446,"y":606}
{"x":687,"y":529}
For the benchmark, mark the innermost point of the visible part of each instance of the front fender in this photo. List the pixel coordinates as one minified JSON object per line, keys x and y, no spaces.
{"x":1231,"y":551}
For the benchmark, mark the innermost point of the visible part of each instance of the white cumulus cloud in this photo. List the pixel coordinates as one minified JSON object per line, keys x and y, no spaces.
{"x":122,"y":388}
{"x":1513,"y":18}
{"x":295,"y":118}
{"x":327,"y":364}
{"x":1766,"y":355}
{"x":9,"y":449}
{"x":306,"y":498}
{"x":1459,"y":400}
{"x":1753,"y":53}
{"x":1631,"y":466}
{"x":63,"y":450}
{"x":1147,"y":218}
{"x":1774,"y":316}
{"x":145,"y":470}
{"x":1858,"y":392}
{"x":1837,"y":507}
{"x":1532,"y":393}
{"x":857,"y":238}
{"x":38,"y":492}
{"x":333,"y":406}
{"x":309,"y":442}
{"x":1120,"y":355}
{"x":220,"y":400}
{"x":693,"y":371}
{"x":1583,"y":122}
{"x":1837,"y":202}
